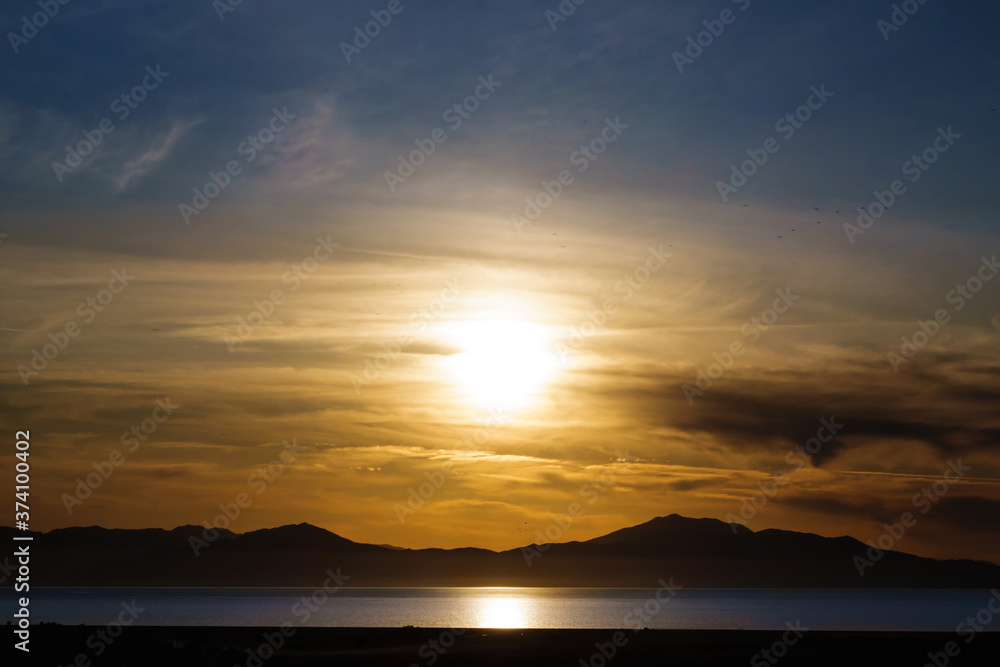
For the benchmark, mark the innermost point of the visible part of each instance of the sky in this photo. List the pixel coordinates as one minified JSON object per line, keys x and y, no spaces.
{"x":433,"y":284}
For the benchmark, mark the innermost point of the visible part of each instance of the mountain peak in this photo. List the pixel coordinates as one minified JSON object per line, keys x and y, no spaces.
{"x":671,"y":528}
{"x":300,"y":535}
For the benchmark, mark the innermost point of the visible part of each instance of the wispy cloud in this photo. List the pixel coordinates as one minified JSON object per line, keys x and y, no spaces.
{"x":159,"y":150}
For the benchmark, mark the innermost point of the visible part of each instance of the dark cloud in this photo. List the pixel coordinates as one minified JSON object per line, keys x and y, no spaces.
{"x":695,"y":483}
{"x":969,"y":513}
{"x":837,"y":505}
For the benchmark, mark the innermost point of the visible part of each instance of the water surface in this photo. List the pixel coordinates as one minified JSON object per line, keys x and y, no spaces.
{"x":750,"y":609}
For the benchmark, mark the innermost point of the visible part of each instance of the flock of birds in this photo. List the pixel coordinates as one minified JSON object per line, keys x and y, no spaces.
{"x":814,"y":208}
{"x":837,"y":212}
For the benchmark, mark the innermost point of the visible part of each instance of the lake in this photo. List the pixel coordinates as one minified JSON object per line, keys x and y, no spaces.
{"x":750,"y":609}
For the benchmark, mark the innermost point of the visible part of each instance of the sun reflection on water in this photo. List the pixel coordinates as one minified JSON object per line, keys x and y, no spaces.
{"x":502,"y":612}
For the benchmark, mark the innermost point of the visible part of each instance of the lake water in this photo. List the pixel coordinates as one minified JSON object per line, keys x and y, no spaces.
{"x":757,"y":609}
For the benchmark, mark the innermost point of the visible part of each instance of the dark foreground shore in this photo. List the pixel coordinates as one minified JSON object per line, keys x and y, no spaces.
{"x":54,"y":645}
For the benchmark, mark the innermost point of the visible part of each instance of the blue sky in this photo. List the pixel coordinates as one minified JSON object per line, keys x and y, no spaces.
{"x":890,"y":96}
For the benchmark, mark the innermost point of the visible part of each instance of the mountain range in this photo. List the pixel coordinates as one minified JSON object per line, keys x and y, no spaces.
{"x":693,"y":552}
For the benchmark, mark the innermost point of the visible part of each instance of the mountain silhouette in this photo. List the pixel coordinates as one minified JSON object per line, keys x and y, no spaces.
{"x":694,"y":552}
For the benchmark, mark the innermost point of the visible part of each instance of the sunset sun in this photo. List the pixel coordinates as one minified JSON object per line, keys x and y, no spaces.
{"x":502,"y":364}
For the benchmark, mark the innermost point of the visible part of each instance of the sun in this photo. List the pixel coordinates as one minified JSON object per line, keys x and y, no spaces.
{"x":503,"y":364}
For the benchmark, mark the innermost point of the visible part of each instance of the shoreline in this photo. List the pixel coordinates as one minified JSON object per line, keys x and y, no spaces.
{"x":54,"y":644}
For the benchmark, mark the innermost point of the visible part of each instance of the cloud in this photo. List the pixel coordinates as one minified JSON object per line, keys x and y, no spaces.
{"x":147,"y":161}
